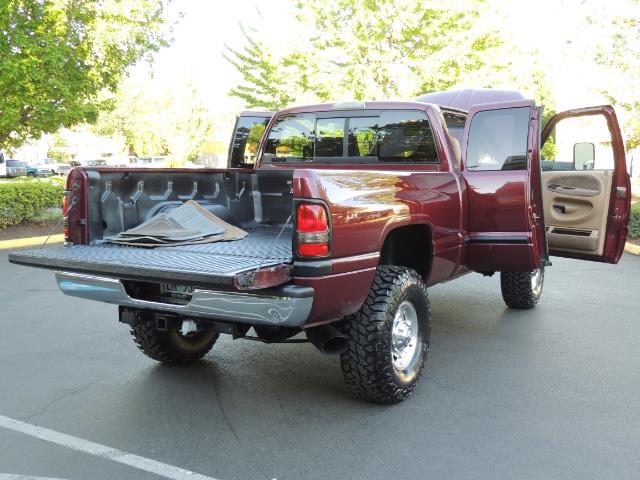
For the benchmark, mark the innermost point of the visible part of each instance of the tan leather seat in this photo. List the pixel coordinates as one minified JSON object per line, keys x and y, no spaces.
{"x":457,"y":151}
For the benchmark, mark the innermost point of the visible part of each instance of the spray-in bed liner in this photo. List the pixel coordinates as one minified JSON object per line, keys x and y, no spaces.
{"x":212,"y":263}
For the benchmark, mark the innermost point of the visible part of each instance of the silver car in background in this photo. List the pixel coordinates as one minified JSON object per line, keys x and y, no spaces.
{"x":16,"y":168}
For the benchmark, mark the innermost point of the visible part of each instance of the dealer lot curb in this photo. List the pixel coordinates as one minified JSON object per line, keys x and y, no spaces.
{"x":30,"y":242}
{"x":632,"y":248}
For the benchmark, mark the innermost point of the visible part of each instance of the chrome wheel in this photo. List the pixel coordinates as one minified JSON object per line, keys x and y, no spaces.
{"x":404,"y":336}
{"x":536,"y":282}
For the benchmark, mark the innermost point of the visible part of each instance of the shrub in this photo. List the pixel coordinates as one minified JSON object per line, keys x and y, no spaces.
{"x":634,"y":221}
{"x":25,"y":200}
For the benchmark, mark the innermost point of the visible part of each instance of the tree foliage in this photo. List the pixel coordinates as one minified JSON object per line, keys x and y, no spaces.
{"x":367,"y":49}
{"x":170,"y":121}
{"x":618,"y":52}
{"x":264,"y":82}
{"x":57,"y":56}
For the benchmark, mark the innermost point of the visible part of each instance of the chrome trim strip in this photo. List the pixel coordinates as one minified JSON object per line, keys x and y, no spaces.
{"x":230,"y":306}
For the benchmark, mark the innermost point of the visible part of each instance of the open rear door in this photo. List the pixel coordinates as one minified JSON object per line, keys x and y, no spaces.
{"x":505,"y":225}
{"x":585,"y":185}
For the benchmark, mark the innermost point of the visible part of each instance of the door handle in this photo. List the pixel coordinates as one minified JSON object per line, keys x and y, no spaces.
{"x":560,"y":208}
{"x":556,"y":186}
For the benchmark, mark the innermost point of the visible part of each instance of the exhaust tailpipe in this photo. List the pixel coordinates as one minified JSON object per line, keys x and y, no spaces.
{"x":327,"y":339}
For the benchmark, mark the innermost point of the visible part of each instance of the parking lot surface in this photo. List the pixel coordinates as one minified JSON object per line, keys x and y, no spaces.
{"x":548,"y":393}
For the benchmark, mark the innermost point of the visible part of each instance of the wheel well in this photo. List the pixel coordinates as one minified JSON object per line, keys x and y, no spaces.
{"x":409,"y":246}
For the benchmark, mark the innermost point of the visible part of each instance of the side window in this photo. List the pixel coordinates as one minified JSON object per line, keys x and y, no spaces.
{"x":405,"y":136}
{"x":246,"y":140}
{"x":290,"y":138}
{"x":579,"y":143}
{"x":498,"y":140}
{"x":363,"y":137}
{"x":329,"y":137}
{"x":455,"y":125}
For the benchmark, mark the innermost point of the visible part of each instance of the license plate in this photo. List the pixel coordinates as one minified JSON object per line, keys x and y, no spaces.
{"x":176,"y":289}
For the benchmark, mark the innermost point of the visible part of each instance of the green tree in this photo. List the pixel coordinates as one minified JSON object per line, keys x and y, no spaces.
{"x":618,"y":52}
{"x":170,"y":121}
{"x":264,"y":82}
{"x":57,"y":56}
{"x":367,"y":49}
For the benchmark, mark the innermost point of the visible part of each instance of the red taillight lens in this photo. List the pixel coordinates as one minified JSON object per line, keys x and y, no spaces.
{"x":312,"y":230}
{"x":313,"y":249}
{"x":65,"y":204}
{"x":312,"y":218}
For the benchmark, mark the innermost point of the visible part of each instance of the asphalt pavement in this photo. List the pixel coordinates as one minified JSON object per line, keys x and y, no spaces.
{"x":550,"y":393}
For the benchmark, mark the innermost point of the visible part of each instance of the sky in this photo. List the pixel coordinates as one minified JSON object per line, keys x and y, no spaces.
{"x":204,"y":27}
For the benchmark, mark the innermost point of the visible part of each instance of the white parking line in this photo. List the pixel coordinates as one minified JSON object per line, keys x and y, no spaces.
{"x":108,"y":453}
{"x":9,"y":476}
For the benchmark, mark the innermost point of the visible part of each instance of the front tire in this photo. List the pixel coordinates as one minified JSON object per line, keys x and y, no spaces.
{"x":522,"y":290}
{"x":170,"y":346}
{"x":388,"y":338}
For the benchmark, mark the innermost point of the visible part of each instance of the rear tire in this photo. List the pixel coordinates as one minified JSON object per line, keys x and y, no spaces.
{"x":522,"y":290}
{"x":388,"y":339}
{"x":170,"y":346}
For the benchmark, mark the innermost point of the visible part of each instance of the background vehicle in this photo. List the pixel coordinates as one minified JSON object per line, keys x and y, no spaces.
{"x":15,"y":168}
{"x":99,"y":162}
{"x":353,"y":210}
{"x":11,"y":168}
{"x":54,"y":167}
{"x":151,"y":162}
{"x":38,"y":171}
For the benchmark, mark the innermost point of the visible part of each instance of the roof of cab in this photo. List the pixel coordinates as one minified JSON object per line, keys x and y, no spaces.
{"x":357,"y":105}
{"x":467,"y":98}
{"x":454,"y":99}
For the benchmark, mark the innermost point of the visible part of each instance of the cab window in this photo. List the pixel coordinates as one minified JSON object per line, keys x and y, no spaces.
{"x":246,"y":140}
{"x":405,"y":137}
{"x":291,"y":139}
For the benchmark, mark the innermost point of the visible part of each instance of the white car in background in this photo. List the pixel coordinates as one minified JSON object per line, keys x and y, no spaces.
{"x":54,"y":167}
{"x":151,"y":162}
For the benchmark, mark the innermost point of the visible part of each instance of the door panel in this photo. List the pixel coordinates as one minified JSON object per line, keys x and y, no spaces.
{"x":585,"y":185}
{"x":575,"y":210}
{"x":504,"y":224}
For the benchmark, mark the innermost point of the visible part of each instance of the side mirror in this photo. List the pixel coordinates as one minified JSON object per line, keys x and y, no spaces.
{"x":584,"y":156}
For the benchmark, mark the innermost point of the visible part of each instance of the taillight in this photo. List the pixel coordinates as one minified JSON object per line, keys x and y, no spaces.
{"x":312,"y":228}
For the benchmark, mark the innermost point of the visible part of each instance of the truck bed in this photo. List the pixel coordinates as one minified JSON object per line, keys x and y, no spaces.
{"x":204,"y":264}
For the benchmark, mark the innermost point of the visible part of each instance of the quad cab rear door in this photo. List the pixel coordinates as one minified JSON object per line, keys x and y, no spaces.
{"x":500,"y":156}
{"x":585,"y":185}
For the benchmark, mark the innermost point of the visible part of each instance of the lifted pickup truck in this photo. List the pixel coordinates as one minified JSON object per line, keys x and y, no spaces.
{"x":352,"y":211}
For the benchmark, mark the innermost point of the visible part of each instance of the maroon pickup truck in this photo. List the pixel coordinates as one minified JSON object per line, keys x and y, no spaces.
{"x":352,"y":211}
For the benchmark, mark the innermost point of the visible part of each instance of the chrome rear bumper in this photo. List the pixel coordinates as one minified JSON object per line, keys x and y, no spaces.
{"x":288,"y":305}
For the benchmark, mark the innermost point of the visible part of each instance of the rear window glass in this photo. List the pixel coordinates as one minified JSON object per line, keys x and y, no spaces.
{"x":363,"y":137}
{"x":14,"y":163}
{"x":400,"y":136}
{"x":246,"y":140}
{"x":329,"y":137}
{"x":405,"y":137}
{"x":291,"y":139}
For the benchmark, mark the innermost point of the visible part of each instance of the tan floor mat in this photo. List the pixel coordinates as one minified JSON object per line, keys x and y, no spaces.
{"x":186,"y":225}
